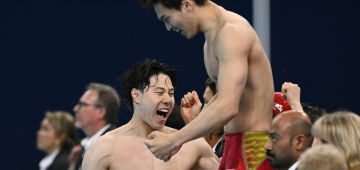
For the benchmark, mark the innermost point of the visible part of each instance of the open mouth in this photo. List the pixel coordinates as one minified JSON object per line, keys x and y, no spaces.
{"x":161,"y":114}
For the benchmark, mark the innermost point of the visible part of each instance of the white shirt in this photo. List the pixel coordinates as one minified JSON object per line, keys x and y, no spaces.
{"x":294,"y":166}
{"x":48,"y":160}
{"x":88,"y":140}
{"x":217,"y":144}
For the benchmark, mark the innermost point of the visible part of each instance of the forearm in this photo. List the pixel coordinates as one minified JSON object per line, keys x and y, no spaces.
{"x":214,"y":116}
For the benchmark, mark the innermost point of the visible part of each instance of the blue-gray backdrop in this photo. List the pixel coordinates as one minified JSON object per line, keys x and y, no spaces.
{"x":50,"y":50}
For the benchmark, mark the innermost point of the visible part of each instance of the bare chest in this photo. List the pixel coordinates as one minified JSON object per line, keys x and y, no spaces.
{"x":138,"y":157}
{"x":211,"y":62}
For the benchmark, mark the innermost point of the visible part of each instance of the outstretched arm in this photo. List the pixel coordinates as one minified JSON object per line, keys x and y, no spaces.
{"x":232,"y":50}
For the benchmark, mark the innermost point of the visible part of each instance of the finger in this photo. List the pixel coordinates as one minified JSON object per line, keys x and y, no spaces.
{"x":196,"y":97}
{"x":151,"y":135}
{"x":183,"y":102}
{"x":187,"y":100}
{"x":147,"y":145}
{"x":167,"y":158}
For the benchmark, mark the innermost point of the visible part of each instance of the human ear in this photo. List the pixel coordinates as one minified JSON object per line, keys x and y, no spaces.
{"x":187,"y":5}
{"x":135,"y":95}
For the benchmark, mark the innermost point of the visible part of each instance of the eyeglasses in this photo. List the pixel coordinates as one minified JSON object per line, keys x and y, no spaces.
{"x":323,"y":141}
{"x":83,"y":104}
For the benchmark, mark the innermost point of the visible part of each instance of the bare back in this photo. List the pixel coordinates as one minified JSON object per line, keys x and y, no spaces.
{"x":235,"y":58}
{"x":121,"y":150}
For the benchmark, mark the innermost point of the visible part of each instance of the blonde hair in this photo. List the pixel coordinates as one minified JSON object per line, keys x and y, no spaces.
{"x":343,"y":129}
{"x":63,"y":123}
{"x":322,"y":157}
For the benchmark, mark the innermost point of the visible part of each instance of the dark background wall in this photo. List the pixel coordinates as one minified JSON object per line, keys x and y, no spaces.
{"x":50,"y":50}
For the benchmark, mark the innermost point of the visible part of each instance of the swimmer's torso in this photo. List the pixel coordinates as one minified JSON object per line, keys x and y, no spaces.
{"x":119,"y":150}
{"x":132,"y":154}
{"x":255,"y":107}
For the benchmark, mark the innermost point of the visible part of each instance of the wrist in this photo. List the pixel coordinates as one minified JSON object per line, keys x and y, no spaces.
{"x":296,"y":106}
{"x":177,"y":138}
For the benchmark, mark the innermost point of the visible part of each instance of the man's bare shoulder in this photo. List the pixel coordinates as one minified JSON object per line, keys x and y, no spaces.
{"x":235,"y":33}
{"x":102,"y":145}
{"x":99,"y":153}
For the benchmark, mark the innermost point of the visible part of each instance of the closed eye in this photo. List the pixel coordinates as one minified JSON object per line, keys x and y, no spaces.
{"x":159,"y":93}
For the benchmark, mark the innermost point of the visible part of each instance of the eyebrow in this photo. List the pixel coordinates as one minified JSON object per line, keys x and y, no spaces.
{"x":161,"y":88}
{"x":273,"y":135}
{"x":163,"y":18}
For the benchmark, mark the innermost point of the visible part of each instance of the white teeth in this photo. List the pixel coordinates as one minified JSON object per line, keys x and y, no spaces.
{"x":164,"y":110}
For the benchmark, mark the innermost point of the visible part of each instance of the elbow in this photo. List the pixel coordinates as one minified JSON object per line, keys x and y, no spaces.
{"x":231,"y":111}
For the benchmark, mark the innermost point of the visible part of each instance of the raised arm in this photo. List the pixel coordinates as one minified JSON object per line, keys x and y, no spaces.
{"x":291,"y":92}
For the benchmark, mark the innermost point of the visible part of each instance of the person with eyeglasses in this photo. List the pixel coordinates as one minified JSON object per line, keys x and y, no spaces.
{"x":95,"y":114}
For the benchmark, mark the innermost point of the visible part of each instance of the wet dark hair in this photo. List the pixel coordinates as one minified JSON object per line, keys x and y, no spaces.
{"x":211,"y":84}
{"x":138,"y":77}
{"x":171,"y":4}
{"x":314,"y":112}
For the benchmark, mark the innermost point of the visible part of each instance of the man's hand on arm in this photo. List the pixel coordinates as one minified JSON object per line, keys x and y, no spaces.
{"x":162,"y":145}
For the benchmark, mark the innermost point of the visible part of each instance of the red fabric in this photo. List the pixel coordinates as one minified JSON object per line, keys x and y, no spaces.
{"x":232,"y":156}
{"x":280,"y":104}
{"x":265,"y":165}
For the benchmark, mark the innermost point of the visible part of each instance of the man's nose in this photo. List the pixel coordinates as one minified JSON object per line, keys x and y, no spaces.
{"x":167,"y":99}
{"x":268,"y":145}
{"x":168,"y":27}
{"x":76,"y":108}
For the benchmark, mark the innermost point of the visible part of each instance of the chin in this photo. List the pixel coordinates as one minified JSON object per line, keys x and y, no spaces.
{"x":189,"y":36}
{"x":78,"y":125}
{"x":158,"y":126}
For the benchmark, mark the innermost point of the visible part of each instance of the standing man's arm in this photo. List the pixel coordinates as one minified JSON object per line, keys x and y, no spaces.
{"x":232,"y":49}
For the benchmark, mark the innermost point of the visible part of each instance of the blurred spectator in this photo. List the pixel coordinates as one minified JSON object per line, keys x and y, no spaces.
{"x":56,"y":137}
{"x":95,"y":113}
{"x":323,"y":157}
{"x":314,"y":112}
{"x":341,"y":129}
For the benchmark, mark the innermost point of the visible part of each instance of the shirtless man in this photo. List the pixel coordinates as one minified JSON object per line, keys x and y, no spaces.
{"x":148,"y":90}
{"x":236,"y":60}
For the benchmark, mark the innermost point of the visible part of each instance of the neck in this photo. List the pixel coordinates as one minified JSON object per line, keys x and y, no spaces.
{"x":209,"y":17}
{"x":92,"y":130}
{"x":138,"y":128}
{"x":51,"y":150}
